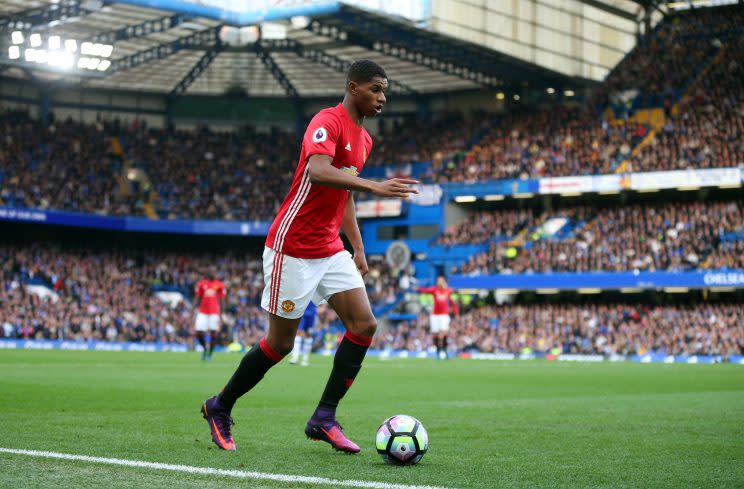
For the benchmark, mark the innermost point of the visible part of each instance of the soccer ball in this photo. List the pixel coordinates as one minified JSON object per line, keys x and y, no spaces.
{"x":402,"y":440}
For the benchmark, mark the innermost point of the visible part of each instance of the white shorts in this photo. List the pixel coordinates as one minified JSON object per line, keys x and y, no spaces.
{"x":206,"y":322}
{"x":291,"y":283}
{"x":439,"y":323}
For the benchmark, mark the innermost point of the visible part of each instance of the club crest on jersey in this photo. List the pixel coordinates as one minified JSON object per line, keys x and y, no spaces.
{"x":351,"y":170}
{"x":288,"y":306}
{"x":320,"y":135}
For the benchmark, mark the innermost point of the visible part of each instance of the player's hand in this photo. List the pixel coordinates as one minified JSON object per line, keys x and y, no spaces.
{"x":361,"y":263}
{"x":395,"y":187}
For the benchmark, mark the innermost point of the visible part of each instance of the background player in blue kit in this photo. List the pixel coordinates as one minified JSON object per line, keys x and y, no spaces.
{"x":303,"y":343}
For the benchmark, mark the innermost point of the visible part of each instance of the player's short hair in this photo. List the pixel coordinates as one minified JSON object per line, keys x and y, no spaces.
{"x":363,"y":70}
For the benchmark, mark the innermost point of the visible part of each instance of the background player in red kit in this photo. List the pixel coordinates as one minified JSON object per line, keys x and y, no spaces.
{"x":440,"y":315}
{"x":304,"y":257}
{"x":209,"y":297}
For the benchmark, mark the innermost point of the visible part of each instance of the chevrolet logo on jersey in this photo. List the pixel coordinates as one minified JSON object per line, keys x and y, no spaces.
{"x":351,"y":170}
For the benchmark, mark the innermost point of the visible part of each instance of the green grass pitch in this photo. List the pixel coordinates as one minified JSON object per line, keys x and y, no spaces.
{"x":514,"y":424}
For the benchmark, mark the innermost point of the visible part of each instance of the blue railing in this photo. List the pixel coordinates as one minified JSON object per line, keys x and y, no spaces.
{"x":136,"y":224}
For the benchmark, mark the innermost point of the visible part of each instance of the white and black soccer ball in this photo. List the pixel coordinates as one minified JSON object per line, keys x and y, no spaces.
{"x":402,"y":440}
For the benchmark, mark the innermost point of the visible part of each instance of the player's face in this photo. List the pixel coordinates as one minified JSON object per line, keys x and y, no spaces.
{"x":370,"y":96}
{"x":441,"y":282}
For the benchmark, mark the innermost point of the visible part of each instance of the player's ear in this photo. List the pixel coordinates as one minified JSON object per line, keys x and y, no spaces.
{"x":352,"y":87}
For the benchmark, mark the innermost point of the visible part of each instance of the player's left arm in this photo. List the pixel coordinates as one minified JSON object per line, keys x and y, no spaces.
{"x":455,"y":307}
{"x":350,"y":228}
{"x":223,"y":302}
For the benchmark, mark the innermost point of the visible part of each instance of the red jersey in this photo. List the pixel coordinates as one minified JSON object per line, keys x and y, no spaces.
{"x":210,"y":291}
{"x":309,"y":220}
{"x":442,"y":299}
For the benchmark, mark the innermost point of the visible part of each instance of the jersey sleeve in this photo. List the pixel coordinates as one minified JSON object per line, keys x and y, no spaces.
{"x":322,"y":135}
{"x":426,"y":290}
{"x":200,"y":289}
{"x":223,"y":291}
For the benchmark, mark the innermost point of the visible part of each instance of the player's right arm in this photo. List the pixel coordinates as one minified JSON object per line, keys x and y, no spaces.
{"x":426,"y":290}
{"x":322,"y":172}
{"x":197,"y":297}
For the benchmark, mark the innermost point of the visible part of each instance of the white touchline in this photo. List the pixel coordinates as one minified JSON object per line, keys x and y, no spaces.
{"x":240,"y":474}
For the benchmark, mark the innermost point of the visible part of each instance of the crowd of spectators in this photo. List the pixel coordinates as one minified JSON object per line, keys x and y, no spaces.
{"x":80,"y":293}
{"x":57,"y":292}
{"x":412,"y":141}
{"x":708,"y":132}
{"x":663,"y":63}
{"x":189,"y":174}
{"x":705,"y":133}
{"x":605,"y":329}
{"x":670,"y":236}
{"x":484,"y":225}
{"x":244,"y":175}
{"x":65,"y":165}
{"x":558,"y":141}
{"x":203,"y":174}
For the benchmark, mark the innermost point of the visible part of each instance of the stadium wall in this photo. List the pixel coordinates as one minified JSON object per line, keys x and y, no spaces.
{"x":84,"y":105}
{"x":221,"y":112}
{"x":26,"y":344}
{"x":468,"y":102}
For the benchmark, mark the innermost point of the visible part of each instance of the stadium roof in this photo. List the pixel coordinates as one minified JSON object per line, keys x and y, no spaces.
{"x":172,"y":52}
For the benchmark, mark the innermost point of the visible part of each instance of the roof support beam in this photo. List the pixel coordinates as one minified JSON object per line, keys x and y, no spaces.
{"x":660,"y":7}
{"x":610,"y":9}
{"x":327,"y":59}
{"x":407,"y":46}
{"x":281,"y":77}
{"x":206,"y":37}
{"x":340,"y":65}
{"x":196,"y":71}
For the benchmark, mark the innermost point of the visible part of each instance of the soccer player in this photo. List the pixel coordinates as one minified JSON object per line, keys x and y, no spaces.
{"x":304,"y":257}
{"x":303,"y":343}
{"x":209,"y":297}
{"x":439,"y":319}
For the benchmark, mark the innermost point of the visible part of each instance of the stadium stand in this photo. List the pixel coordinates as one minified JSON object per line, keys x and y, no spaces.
{"x":111,"y":295}
{"x":65,"y":165}
{"x":58,"y":291}
{"x":691,"y":66}
{"x":668,"y":236}
{"x":606,"y":329}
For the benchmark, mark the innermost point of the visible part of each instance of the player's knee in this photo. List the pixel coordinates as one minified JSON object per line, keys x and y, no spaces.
{"x":364,"y":327}
{"x":284,"y":346}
